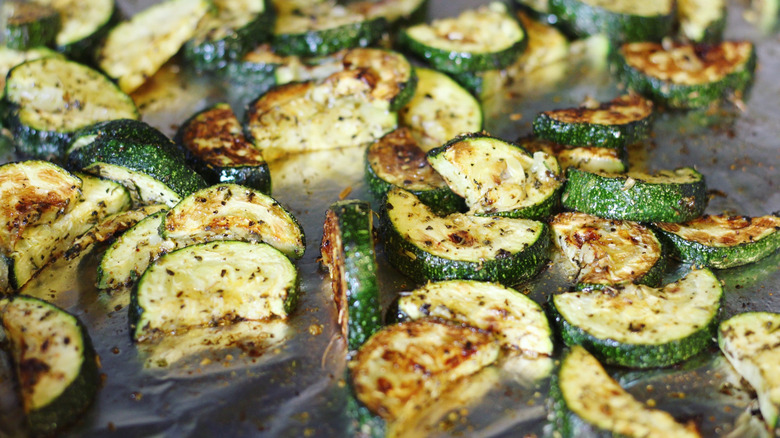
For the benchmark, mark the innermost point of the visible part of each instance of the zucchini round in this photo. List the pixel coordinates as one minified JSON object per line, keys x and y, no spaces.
{"x":622,"y":21}
{"x":83,"y":27}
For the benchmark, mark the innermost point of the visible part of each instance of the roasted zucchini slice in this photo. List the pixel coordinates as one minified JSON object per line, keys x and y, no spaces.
{"x":49,"y":99}
{"x":429,"y":247}
{"x":608,"y":252}
{"x":666,"y":196}
{"x":396,"y":12}
{"x":751,"y":343}
{"x":518,"y":322}
{"x":688,"y":75}
{"x":724,"y":241}
{"x":396,"y":160}
{"x":348,"y":253}
{"x":402,"y":367}
{"x":702,"y":21}
{"x":209,"y":284}
{"x":590,"y":159}
{"x":440,"y":110}
{"x":586,"y":399}
{"x":214,"y":143}
{"x":233,"y":212}
{"x":346,"y":109}
{"x":499,"y":178}
{"x":486,"y":38}
{"x":642,"y":327}
{"x":27,"y":25}
{"x":615,"y":124}
{"x":134,"y":50}
{"x":622,"y":21}
{"x":83,"y":26}
{"x":79,"y":152}
{"x":10,"y":58}
{"x":56,"y":366}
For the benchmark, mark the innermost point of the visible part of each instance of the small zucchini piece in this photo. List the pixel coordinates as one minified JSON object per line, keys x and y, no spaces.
{"x":396,"y":160}
{"x":214,"y":283}
{"x":590,"y":159}
{"x":27,"y":25}
{"x":396,"y":12}
{"x":132,"y":52}
{"x":348,"y":253}
{"x":402,"y":367}
{"x":724,"y":241}
{"x":214,"y":144}
{"x":518,"y":322}
{"x":508,"y":180}
{"x":687,"y":75}
{"x":83,"y":27}
{"x":615,"y":124}
{"x":322,"y":28}
{"x":702,"y":21}
{"x":537,"y":10}
{"x":92,"y":136}
{"x":675,"y":196}
{"x":55,"y":364}
{"x":233,"y":212}
{"x":608,"y":252}
{"x":440,"y":110}
{"x":486,"y":38}
{"x":49,"y":99}
{"x":751,"y":343}
{"x":586,"y":400}
{"x":622,"y":21}
{"x":425,"y":246}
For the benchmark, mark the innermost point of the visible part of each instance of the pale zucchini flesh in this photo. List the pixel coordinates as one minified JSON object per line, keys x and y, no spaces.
{"x":143,"y":189}
{"x":81,"y":26}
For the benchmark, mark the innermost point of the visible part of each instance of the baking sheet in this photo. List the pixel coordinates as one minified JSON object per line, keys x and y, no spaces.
{"x":286,"y":380}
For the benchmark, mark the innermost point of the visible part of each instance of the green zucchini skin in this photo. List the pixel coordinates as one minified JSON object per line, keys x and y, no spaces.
{"x":584,"y":20}
{"x":80,"y":46}
{"x":326,"y":41}
{"x":348,"y":251}
{"x":28,"y":25}
{"x":119,"y":129}
{"x":615,"y":197}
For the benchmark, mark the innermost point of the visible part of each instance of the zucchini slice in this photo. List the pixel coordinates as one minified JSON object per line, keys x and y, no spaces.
{"x":46,"y":241}
{"x":134,"y":50}
{"x":608,"y":252}
{"x":49,"y":99}
{"x":440,"y":110}
{"x":724,"y":241}
{"x":702,"y":21}
{"x":641,"y":327}
{"x":586,"y":397}
{"x":396,"y":12}
{"x":319,"y":29}
{"x":27,"y":25}
{"x":622,"y":21}
{"x":348,"y":252}
{"x":56,"y":366}
{"x":346,"y":109}
{"x":210,"y":284}
{"x":402,"y":367}
{"x":590,"y":159}
{"x":615,"y":124}
{"x":233,"y":212}
{"x":228,"y":33}
{"x":666,"y":196}
{"x":396,"y":160}
{"x":480,"y":39}
{"x":518,"y":322}
{"x":499,"y":178}
{"x":751,"y":343}
{"x":10,"y":58}
{"x":688,"y":75}
{"x":79,"y":152}
{"x":83,"y":26}
{"x":429,"y":247}
{"x":214,"y":143}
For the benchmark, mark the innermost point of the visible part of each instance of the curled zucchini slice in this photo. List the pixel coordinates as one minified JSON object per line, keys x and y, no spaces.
{"x":641,"y":327}
{"x":724,"y":241}
{"x":624,"y":20}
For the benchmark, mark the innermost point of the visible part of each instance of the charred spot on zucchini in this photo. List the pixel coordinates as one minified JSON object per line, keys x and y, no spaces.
{"x":83,"y":28}
{"x":722,"y":242}
{"x":587,"y":400}
{"x":396,"y":160}
{"x":214,"y":144}
{"x":665,"y":196}
{"x":622,"y":21}
{"x":608,"y":252}
{"x":518,"y":322}
{"x":499,"y":178}
{"x":233,"y":212}
{"x":27,"y":25}
{"x":55,"y":363}
{"x":210,"y":284}
{"x":458,"y":246}
{"x":622,"y":121}
{"x":480,"y":39}
{"x":750,"y":342}
{"x":348,"y":252}
{"x":688,"y":75}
